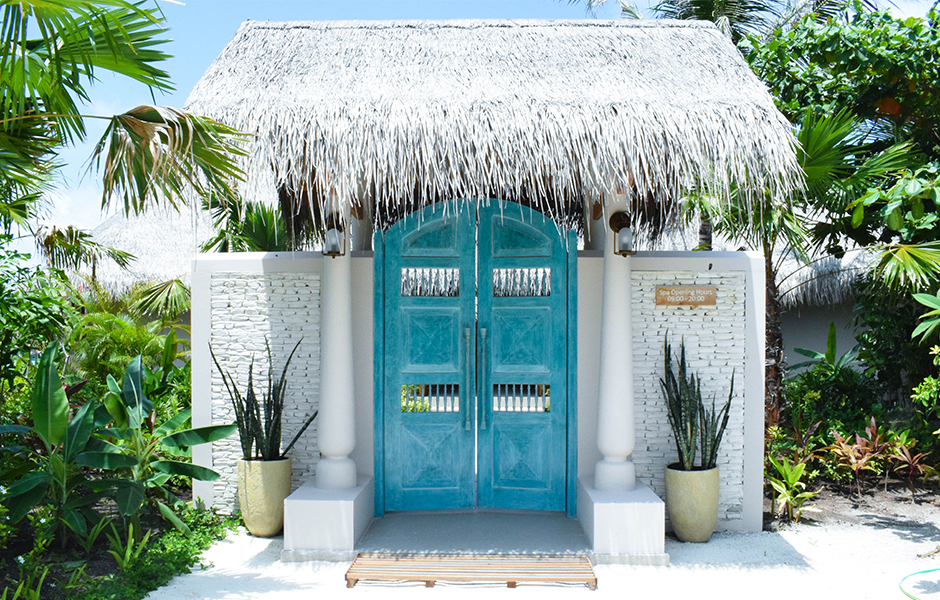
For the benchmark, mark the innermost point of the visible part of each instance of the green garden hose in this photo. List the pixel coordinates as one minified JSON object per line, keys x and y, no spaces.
{"x":906,"y":577}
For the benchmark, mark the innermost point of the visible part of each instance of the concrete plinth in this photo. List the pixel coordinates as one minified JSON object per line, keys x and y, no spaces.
{"x":623,"y":527}
{"x":326,"y":524}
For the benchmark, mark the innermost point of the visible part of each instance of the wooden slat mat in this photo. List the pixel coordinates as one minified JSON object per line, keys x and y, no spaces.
{"x":457,"y":568}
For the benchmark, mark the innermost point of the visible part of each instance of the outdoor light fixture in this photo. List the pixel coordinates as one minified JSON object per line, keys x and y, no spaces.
{"x":623,"y":234}
{"x":334,"y":239}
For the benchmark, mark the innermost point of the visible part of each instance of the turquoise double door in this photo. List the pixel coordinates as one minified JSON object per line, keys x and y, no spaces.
{"x":476,"y":340}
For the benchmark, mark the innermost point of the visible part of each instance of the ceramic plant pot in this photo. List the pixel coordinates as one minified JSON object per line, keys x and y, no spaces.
{"x":262,"y":487}
{"x":692,"y":501}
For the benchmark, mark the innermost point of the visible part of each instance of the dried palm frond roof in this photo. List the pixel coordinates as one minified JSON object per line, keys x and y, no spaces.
{"x":164,"y":242}
{"x":397,"y":115}
{"x":821,"y":280}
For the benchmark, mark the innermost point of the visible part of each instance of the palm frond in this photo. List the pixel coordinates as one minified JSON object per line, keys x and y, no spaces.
{"x":151,"y":155}
{"x":70,"y":248}
{"x":169,"y":299}
{"x":908,"y":266}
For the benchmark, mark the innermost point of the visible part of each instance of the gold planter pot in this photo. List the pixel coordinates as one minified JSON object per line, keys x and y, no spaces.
{"x":692,"y":501}
{"x":262,"y":487}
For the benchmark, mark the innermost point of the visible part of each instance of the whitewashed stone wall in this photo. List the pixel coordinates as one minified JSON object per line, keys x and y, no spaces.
{"x":715,"y":347}
{"x":246,"y":309}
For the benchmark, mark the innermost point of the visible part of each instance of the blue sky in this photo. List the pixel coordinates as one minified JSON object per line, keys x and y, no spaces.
{"x":199,"y":29}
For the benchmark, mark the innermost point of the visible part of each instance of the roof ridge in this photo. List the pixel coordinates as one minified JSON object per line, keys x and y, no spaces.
{"x":481,"y":23}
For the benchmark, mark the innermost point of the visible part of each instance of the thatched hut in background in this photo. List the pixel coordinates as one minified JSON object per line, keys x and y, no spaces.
{"x":163,"y":241}
{"x":468,"y":355}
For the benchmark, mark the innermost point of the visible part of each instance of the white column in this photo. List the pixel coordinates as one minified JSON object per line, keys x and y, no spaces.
{"x":616,"y":434}
{"x":336,"y":429}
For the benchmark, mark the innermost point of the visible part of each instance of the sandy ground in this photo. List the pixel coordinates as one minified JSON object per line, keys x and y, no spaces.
{"x":863,"y":557}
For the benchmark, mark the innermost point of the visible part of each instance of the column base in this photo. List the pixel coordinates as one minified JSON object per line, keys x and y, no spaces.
{"x":623,"y":527}
{"x":336,"y":473}
{"x":326,"y":524}
{"x":615,"y":475}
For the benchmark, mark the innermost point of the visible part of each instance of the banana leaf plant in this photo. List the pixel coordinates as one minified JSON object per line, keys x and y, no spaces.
{"x":155,"y":453}
{"x":60,"y":473}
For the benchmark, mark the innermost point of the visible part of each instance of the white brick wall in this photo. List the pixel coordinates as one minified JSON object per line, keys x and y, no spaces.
{"x":246,"y":308}
{"x":715,"y":346}
{"x":279,"y":297}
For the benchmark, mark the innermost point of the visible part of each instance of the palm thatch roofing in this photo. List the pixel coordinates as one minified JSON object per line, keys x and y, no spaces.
{"x":819,"y":281}
{"x":164,"y":242}
{"x":396,"y":115}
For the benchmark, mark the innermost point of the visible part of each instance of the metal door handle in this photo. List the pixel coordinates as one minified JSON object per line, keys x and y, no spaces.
{"x":483,"y":389}
{"x":467,"y":378}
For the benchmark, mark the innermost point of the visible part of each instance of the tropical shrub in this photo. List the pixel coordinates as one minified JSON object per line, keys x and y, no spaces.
{"x":153,"y":454}
{"x":790,"y":490}
{"x":831,"y":390}
{"x":67,"y":445}
{"x":34,"y":307}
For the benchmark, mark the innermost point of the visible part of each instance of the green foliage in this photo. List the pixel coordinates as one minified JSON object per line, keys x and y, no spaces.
{"x":882,"y":68}
{"x":147,"y":154}
{"x":691,"y":421}
{"x":67,"y":445}
{"x":683,"y":395}
{"x":884,"y":321}
{"x":34,"y":307}
{"x":152,"y":454}
{"x":735,"y":18}
{"x":127,"y":553}
{"x":259,"y":420}
{"x":790,"y":489}
{"x":172,"y":554}
{"x":931,"y":318}
{"x":831,"y":390}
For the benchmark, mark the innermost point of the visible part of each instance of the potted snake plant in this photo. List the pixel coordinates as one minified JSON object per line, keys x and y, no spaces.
{"x":692,"y":490}
{"x":264,"y":471}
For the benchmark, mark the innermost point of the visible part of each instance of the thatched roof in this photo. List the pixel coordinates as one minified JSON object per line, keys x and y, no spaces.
{"x":164,"y":241}
{"x":551,"y":112}
{"x":822,"y":281}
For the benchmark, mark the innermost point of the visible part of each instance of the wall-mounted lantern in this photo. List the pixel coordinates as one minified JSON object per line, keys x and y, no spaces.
{"x":334,"y":239}
{"x":623,"y":234}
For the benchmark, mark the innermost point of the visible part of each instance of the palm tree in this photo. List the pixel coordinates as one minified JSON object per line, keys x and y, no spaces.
{"x":838,"y":170}
{"x":148,"y":155}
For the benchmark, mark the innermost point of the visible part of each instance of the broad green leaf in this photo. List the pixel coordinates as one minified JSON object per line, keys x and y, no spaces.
{"x":173,"y":423}
{"x":858,"y":216}
{"x":25,"y":494}
{"x":49,"y":402}
{"x":170,"y":516}
{"x":186,"y":469}
{"x":115,"y":407}
{"x":895,"y":220}
{"x":139,"y":406}
{"x":76,"y":522}
{"x":105,"y":460}
{"x":200,"y":435}
{"x":113,"y":386}
{"x":913,"y":187}
{"x":102,"y":416}
{"x":18,"y":429}
{"x":79,"y":431}
{"x":129,"y":497}
{"x":928,"y":300}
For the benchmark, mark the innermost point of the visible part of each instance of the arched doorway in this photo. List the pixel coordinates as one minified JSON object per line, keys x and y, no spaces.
{"x":475,"y":337}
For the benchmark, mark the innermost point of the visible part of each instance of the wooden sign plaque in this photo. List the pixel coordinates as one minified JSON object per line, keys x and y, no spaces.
{"x":686,"y":295}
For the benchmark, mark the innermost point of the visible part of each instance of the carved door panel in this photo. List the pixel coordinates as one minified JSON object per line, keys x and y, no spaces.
{"x":475,"y":362}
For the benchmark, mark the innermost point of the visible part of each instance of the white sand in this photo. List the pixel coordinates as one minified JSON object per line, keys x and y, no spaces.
{"x":838,"y":560}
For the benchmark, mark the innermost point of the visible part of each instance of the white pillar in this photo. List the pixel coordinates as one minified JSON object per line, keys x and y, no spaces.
{"x":336,"y":429}
{"x":616,"y":434}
